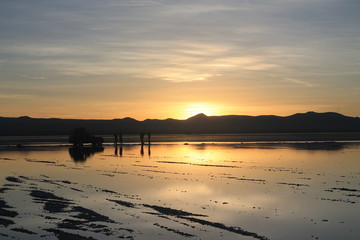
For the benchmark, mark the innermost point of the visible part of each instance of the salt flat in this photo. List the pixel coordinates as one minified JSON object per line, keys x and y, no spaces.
{"x":177,"y":191}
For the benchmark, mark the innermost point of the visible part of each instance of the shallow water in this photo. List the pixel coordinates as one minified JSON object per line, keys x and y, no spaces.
{"x":177,"y":191}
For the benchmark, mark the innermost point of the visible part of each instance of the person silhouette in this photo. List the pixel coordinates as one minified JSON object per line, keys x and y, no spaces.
{"x":142,"y":150}
{"x":149,"y":137}
{"x":116,"y":151}
{"x":121,"y":138}
{"x":142,"y":138}
{"x":115,"y":139}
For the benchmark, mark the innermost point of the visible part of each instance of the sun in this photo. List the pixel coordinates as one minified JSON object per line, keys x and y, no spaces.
{"x":197,"y":108}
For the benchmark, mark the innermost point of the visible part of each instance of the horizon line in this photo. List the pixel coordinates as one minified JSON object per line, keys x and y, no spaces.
{"x":199,"y":114}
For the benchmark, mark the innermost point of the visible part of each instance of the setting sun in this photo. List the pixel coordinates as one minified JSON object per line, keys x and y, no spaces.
{"x":196,"y":108}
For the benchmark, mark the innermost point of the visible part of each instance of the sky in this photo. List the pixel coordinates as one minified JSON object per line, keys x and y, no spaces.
{"x":157,"y":59}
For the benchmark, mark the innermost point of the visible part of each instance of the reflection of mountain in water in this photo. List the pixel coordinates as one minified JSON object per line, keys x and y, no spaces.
{"x":81,"y":154}
{"x":320,"y":146}
{"x":311,"y":146}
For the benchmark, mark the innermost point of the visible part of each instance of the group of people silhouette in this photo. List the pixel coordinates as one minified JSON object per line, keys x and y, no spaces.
{"x":118,"y":139}
{"x":142,"y":137}
{"x":80,"y":152}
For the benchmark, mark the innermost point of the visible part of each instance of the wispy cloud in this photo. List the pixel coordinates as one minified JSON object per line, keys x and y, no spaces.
{"x":170,"y":61}
{"x":15,"y":96}
{"x":192,"y":8}
{"x":301,"y":82}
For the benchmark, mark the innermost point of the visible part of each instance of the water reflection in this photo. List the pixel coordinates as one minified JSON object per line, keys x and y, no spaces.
{"x":320,"y":146}
{"x":82,"y":154}
{"x":142,"y":152}
{"x":264,"y":190}
{"x":116,"y":153}
{"x":118,"y":150}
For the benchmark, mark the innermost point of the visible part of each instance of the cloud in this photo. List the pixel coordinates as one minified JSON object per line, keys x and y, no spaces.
{"x":193,"y":8}
{"x":197,"y":62}
{"x":301,"y":82}
{"x":178,"y":61}
{"x":15,"y":96}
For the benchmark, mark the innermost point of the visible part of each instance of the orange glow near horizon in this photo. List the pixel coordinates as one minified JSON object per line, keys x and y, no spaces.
{"x":197,"y":108}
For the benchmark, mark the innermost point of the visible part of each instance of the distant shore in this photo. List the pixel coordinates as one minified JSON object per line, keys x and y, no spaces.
{"x":307,"y":140}
{"x":299,"y":123}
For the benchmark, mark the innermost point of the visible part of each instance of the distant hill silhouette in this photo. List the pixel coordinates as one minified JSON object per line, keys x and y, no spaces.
{"x":298,"y":123}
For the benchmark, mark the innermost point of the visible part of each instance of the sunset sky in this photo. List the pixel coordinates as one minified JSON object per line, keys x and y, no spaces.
{"x":161,"y":59}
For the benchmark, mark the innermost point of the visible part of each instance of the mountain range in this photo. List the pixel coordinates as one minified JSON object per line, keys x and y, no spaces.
{"x":310,"y":122}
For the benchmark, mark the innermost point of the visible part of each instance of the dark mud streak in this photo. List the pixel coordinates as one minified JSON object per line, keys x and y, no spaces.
{"x":22,"y":230}
{"x":171,"y":211}
{"x":213,"y":165}
{"x":87,"y":222}
{"x":108,"y":175}
{"x":294,"y":184}
{"x":38,"y":161}
{"x":25,"y":178}
{"x":4,"y":235}
{"x":42,"y":195}
{"x":14,"y":179}
{"x":148,"y":166}
{"x":133,"y":197}
{"x":222,"y":226}
{"x":108,"y":191}
{"x":61,"y":235}
{"x":82,"y":219}
{"x":157,"y":171}
{"x":77,"y":190}
{"x":55,"y":206}
{"x":90,"y":215}
{"x":175,"y":231}
{"x":6,"y":222}
{"x":117,"y":172}
{"x":122,"y":203}
{"x":4,"y":212}
{"x":67,"y":182}
{"x":52,"y":203}
{"x":71,"y":224}
{"x":188,"y":216}
{"x":346,"y":189}
{"x":157,"y":214}
{"x":2,"y":190}
{"x":11,"y":185}
{"x":338,"y":200}
{"x":7,"y":159}
{"x":201,"y":165}
{"x":353,"y":195}
{"x":247,"y":179}
{"x":50,"y":182}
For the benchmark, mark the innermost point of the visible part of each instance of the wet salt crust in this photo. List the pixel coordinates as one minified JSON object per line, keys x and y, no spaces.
{"x":190,"y":191}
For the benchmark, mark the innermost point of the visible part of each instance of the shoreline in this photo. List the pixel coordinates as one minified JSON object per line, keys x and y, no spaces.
{"x":306,"y":145}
